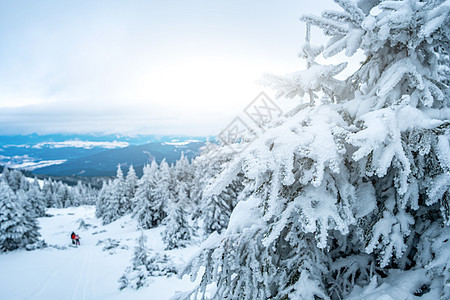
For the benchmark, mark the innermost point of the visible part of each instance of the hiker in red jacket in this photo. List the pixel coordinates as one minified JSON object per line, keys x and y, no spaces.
{"x":72,"y":236}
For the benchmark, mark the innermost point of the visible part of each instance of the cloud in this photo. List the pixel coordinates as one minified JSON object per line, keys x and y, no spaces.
{"x":137,"y":66}
{"x":99,"y":118}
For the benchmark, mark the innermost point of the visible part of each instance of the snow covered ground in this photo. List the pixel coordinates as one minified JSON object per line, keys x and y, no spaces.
{"x":62,"y":271}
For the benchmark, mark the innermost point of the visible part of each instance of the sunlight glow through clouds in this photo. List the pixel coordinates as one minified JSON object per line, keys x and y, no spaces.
{"x":15,"y":101}
{"x":113,"y":66}
{"x":201,"y":82}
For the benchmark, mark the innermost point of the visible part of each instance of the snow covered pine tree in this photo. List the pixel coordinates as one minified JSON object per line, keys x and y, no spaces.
{"x":18,"y":228}
{"x":145,"y":264}
{"x":116,"y":204}
{"x":136,"y":275}
{"x":215,"y":210}
{"x":130,"y":188}
{"x":354,"y":193}
{"x":178,"y":231}
{"x":148,"y":209}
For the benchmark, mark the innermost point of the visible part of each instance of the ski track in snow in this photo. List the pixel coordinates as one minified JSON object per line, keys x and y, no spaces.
{"x":88,"y":277}
{"x":87,"y":271}
{"x":82,"y":276}
{"x":50,"y":279}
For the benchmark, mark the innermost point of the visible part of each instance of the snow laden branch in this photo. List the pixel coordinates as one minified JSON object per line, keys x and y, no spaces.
{"x":316,"y":79}
{"x":340,"y":196}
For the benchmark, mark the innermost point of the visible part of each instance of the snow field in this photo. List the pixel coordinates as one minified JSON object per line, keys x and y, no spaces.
{"x":62,"y":271}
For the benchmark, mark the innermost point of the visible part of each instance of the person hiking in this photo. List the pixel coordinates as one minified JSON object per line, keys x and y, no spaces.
{"x":77,"y":239}
{"x":72,"y":236}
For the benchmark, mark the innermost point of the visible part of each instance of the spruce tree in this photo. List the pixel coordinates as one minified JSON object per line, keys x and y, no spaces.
{"x":148,"y":209}
{"x":206,"y":166}
{"x":47,"y":193}
{"x":31,"y":233}
{"x":36,"y":201}
{"x":5,"y":175}
{"x":90,"y":196}
{"x":184,"y":173}
{"x":178,"y":231}
{"x":117,"y":203}
{"x":78,"y":194}
{"x":59,"y":196}
{"x":130,"y":188}
{"x":102,"y":199}
{"x":136,"y":275}
{"x":18,"y":228}
{"x":14,"y":178}
{"x":217,"y":208}
{"x":141,"y":252}
{"x":24,"y":184}
{"x":165,"y":189}
{"x":353,"y":191}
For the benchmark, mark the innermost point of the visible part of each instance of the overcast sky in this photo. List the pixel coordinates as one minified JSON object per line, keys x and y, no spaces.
{"x":163,"y":67}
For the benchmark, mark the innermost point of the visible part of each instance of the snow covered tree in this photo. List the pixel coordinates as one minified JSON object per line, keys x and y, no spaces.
{"x":17,"y":228}
{"x":85,"y":193}
{"x":47,"y":191}
{"x":201,"y":173}
{"x":165,"y":189}
{"x":36,"y":201}
{"x":117,"y":204}
{"x":5,"y":175}
{"x":184,"y":173}
{"x":136,"y":275}
{"x":347,"y":192}
{"x":60,"y":195}
{"x":24,"y":183}
{"x":312,"y":81}
{"x":32,"y":234}
{"x":140,"y":251}
{"x":78,"y":194}
{"x":90,"y":196}
{"x":148,"y":209}
{"x":119,"y":191}
{"x":178,"y":232}
{"x":183,"y":170}
{"x":36,"y":183}
{"x":144,"y":265}
{"x":206,"y":166}
{"x":11,"y":219}
{"x":102,"y":199}
{"x":14,"y":178}
{"x":217,"y":208}
{"x":130,"y":187}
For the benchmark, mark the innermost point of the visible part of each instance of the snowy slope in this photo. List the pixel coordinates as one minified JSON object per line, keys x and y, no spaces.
{"x":87,"y":272}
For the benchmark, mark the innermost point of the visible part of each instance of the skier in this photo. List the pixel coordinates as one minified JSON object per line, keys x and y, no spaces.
{"x":72,"y":236}
{"x":77,"y":239}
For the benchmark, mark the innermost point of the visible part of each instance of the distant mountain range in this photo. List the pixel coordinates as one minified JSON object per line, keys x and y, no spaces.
{"x":92,"y":155}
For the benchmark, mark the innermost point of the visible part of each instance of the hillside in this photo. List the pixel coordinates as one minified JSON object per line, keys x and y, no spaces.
{"x":105,"y":163}
{"x":91,"y":155}
{"x":90,"y":271}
